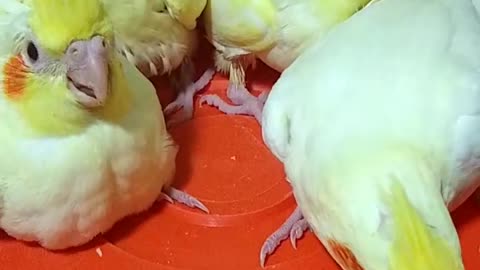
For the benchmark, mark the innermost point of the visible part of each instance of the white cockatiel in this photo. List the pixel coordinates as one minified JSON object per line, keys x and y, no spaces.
{"x":392,"y":93}
{"x":84,"y":141}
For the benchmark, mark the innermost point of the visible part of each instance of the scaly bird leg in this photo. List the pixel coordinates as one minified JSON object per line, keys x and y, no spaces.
{"x":245,"y":102}
{"x":297,"y":231}
{"x":186,"y":88}
{"x":172,"y":194}
{"x":294,"y":227}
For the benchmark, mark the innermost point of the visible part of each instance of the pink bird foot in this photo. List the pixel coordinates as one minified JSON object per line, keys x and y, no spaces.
{"x":185,"y":99}
{"x":172,"y":194}
{"x":245,"y":103}
{"x":294,"y":227}
{"x":297,"y":231}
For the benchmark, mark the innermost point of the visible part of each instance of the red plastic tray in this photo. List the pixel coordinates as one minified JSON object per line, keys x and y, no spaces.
{"x":224,"y":163}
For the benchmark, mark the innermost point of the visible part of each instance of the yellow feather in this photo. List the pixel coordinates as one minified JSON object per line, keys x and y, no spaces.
{"x":247,"y":24}
{"x":46,"y":104}
{"x":57,"y":22}
{"x":64,"y":116}
{"x":339,"y":10}
{"x":186,"y":11}
{"x":415,"y":247}
{"x":120,"y":101}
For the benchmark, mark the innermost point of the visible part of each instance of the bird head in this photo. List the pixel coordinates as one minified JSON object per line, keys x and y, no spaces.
{"x":62,"y":75}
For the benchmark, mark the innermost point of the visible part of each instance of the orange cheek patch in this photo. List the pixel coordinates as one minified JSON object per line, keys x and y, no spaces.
{"x":14,"y":77}
{"x":344,"y":256}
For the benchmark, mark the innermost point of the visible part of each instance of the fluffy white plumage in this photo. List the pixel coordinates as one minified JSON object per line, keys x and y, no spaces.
{"x":63,"y":191}
{"x":394,"y":91}
{"x":13,"y":20}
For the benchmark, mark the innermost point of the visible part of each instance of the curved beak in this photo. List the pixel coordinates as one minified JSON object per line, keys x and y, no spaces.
{"x":88,"y":71}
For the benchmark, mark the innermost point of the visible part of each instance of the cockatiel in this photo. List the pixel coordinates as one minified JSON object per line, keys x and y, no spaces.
{"x":392,"y":92}
{"x":160,"y":37}
{"x":84,"y":141}
{"x":275,"y":31}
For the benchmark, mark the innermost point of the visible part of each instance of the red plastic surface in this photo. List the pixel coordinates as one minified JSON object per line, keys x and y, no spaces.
{"x":224,"y":163}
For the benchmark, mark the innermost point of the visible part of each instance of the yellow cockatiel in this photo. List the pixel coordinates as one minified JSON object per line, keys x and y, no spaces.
{"x":275,"y":31}
{"x":84,"y":142}
{"x":160,"y":38}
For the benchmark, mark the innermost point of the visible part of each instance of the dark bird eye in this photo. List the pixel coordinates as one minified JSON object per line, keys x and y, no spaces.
{"x":32,"y":51}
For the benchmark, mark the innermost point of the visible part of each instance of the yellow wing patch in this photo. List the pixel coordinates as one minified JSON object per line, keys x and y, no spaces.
{"x":56,"y":23}
{"x":415,"y":247}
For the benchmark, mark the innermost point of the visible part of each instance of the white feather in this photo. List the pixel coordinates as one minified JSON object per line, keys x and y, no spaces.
{"x":394,"y":91}
{"x":13,"y":25}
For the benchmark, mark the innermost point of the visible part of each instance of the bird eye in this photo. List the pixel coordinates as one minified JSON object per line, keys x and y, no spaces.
{"x":32,"y":51}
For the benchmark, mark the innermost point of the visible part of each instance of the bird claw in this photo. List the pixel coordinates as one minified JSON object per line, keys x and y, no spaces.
{"x":183,"y":198}
{"x":244,"y":102}
{"x":253,"y":106}
{"x":165,"y":197}
{"x":268,"y":248}
{"x":184,"y":99}
{"x":174,"y":105}
{"x":297,"y":231}
{"x":282,"y":233}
